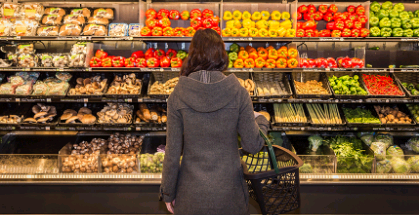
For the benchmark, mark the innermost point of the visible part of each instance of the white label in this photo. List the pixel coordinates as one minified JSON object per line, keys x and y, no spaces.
{"x":85,"y":100}
{"x":48,"y":99}
{"x":138,"y":128}
{"x":129,"y":100}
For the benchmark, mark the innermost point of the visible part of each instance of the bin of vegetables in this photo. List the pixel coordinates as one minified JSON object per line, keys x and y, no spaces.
{"x":395,"y":115}
{"x":409,"y":82}
{"x":414,"y":110}
{"x":310,"y":85}
{"x":346,"y":85}
{"x":382,"y":85}
{"x":356,"y":115}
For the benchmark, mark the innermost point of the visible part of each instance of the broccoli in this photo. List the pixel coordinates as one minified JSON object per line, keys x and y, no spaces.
{"x":315,"y":141}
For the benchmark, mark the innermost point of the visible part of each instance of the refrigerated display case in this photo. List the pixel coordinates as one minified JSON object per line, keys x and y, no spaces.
{"x":37,"y":166}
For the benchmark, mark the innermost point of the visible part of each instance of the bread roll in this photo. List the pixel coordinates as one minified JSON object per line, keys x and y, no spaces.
{"x":55,"y":10}
{"x":81,"y":11}
{"x":104,"y":13}
{"x":94,"y":30}
{"x":88,"y":119}
{"x":52,"y":19}
{"x":45,"y":31}
{"x":74,"y":19}
{"x":98,"y":20}
{"x":70,"y":30}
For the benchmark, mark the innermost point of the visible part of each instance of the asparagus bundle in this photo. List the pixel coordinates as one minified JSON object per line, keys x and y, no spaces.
{"x":289,"y":113}
{"x":324,"y":114}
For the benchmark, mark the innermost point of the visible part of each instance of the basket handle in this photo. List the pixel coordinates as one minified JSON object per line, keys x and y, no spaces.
{"x":270,"y":152}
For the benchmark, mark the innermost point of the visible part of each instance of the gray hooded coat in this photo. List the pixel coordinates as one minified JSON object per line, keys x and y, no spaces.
{"x":204,"y":120}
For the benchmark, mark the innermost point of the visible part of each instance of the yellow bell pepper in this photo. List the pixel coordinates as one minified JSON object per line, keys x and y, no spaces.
{"x":281,"y":31}
{"x":247,"y":23}
{"x":256,"y":16}
{"x":273,"y":24}
{"x":253,"y":32}
{"x":243,"y":32}
{"x":230,"y":24}
{"x":263,"y":32}
{"x":246,"y":15}
{"x":272,"y":32}
{"x":235,"y":32}
{"x":276,"y":15}
{"x":237,"y":15}
{"x":285,"y":15}
{"x":227,"y":32}
{"x":286,"y":24}
{"x":239,"y":63}
{"x":262,"y":24}
{"x":237,"y":24}
{"x":227,"y":15}
{"x":290,"y":33}
{"x":265,"y":15}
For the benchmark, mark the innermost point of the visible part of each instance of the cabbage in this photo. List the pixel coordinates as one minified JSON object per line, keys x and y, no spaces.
{"x":394,"y":151}
{"x":383,"y":166}
{"x":385,"y":138}
{"x":413,"y":144}
{"x":399,"y":165}
{"x":379,"y":148}
{"x":413,"y":162}
{"x":367,"y":139}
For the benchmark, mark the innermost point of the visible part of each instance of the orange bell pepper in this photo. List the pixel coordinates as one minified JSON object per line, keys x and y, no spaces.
{"x":269,"y":48}
{"x":292,"y":53}
{"x":235,"y":32}
{"x":239,"y":63}
{"x":259,"y":62}
{"x":253,"y":32}
{"x":272,"y":54}
{"x":270,"y":63}
{"x":292,"y":63}
{"x":281,"y":63}
{"x":249,"y":63}
{"x":241,"y":48}
{"x":263,"y":32}
{"x":249,"y":48}
{"x":260,"y":48}
{"x":263,"y":54}
{"x":243,"y":55}
{"x":253,"y":55}
{"x":282,"y":52}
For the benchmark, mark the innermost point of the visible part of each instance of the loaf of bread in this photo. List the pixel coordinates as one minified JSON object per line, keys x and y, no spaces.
{"x":45,"y":31}
{"x":70,"y":30}
{"x":24,"y":27}
{"x":32,"y":11}
{"x":81,"y":11}
{"x":98,"y":20}
{"x":104,"y":13}
{"x":52,"y":19}
{"x":55,"y":10}
{"x":74,"y":19}
{"x":10,"y":10}
{"x":94,"y":30}
{"x":5,"y":27}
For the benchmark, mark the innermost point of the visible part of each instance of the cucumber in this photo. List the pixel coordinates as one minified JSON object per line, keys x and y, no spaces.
{"x":409,"y":66}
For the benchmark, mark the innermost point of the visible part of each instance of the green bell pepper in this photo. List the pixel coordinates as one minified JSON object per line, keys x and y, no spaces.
{"x":374,"y":21}
{"x":234,"y":48}
{"x":404,"y":15}
{"x":410,"y":14}
{"x":414,"y":22}
{"x":416,"y":32}
{"x":387,"y":5}
{"x":407,"y":24}
{"x":394,"y":14}
{"x":375,"y":31}
{"x":181,"y":54}
{"x":386,"y":32}
{"x":385,"y":22}
{"x":416,"y":13}
{"x":230,"y":64}
{"x":399,"y":7}
{"x":408,"y":33}
{"x":375,"y":6}
{"x":397,"y":32}
{"x":383,"y":13}
{"x":233,"y":56}
{"x":396,"y":23}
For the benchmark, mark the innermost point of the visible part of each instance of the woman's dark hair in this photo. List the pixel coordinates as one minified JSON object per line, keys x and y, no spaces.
{"x":207,"y":52}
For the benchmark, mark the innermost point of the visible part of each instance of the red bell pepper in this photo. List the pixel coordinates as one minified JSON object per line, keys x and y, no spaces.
{"x":325,"y":33}
{"x":216,"y":21}
{"x":151,"y":23}
{"x":336,"y":33}
{"x":207,"y":13}
{"x":300,"y":33}
{"x":118,"y":61}
{"x":303,"y":9}
{"x":171,"y":53}
{"x":345,"y":15}
{"x":195,"y":13}
{"x":360,"y":10}
{"x":299,"y":16}
{"x":145,"y":32}
{"x":348,"y":24}
{"x":107,"y":62}
{"x":328,"y":17}
{"x":152,"y":62}
{"x":304,"y":63}
{"x":338,"y":16}
{"x":330,"y":25}
{"x":346,"y":32}
{"x":351,"y":9}
{"x":157,"y":31}
{"x":185,"y":15}
{"x":159,"y":53}
{"x":165,"y":62}
{"x":176,"y":62}
{"x":208,"y":23}
{"x":321,"y":62}
{"x":333,"y":8}
{"x":357,"y":63}
{"x":130,"y":62}
{"x":323,"y":8}
{"x":331,"y":62}
{"x":217,"y":29}
{"x":357,"y":25}
{"x":364,"y":32}
{"x":164,"y":22}
{"x":353,"y":17}
{"x":178,"y":31}
{"x":310,"y":24}
{"x":338,"y":25}
{"x":201,"y":28}
{"x":151,"y":13}
{"x":311,"y":8}
{"x":195,"y":22}
{"x":101,"y":54}
{"x":137,"y":54}
{"x":317,"y":16}
{"x":363,"y":19}
{"x":346,"y":62}
{"x":163,"y":13}
{"x":149,"y":53}
{"x":299,"y":25}
{"x":141,"y":62}
{"x":95,"y":62}
{"x":189,"y":32}
{"x":309,"y":33}
{"x":355,"y":33}
{"x":308,"y":16}
{"x":168,"y":32}
{"x":339,"y":61}
{"x":174,"y":14}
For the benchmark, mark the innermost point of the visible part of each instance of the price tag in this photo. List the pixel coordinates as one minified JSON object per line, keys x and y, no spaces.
{"x":47,"y":128}
{"x":85,"y":100}
{"x":387,"y":101}
{"x":17,"y":99}
{"x":302,"y":128}
{"x":327,"y":69}
{"x":391,"y":70}
{"x":310,"y":100}
{"x":360,"y":100}
{"x":140,"y":100}
{"x":164,"y":128}
{"x":329,"y":128}
{"x":129,"y":100}
{"x":48,"y":99}
{"x":26,"y":69}
{"x":336,"y":101}
{"x":60,"y":69}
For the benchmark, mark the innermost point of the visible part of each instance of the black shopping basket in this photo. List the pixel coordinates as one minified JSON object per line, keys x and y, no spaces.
{"x":272,"y":176}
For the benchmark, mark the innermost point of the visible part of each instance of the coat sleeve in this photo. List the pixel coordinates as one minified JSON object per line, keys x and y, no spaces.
{"x":173,"y":149}
{"x":248,"y":128}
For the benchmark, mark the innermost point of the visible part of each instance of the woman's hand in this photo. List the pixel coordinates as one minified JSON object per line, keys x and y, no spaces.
{"x":170,"y":206}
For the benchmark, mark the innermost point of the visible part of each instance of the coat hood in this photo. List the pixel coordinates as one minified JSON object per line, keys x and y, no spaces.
{"x":209,"y":97}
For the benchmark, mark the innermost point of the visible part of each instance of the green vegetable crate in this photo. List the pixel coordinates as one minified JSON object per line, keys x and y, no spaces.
{"x":277,"y":84}
{"x":383,"y":74}
{"x":308,"y":76}
{"x":357,"y":115}
{"x":340,"y":114}
{"x":347,"y":85}
{"x":411,"y":79}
